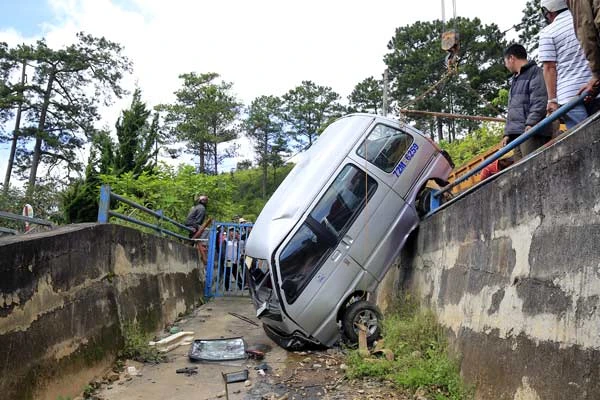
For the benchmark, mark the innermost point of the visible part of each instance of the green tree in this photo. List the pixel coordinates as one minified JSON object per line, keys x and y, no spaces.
{"x":308,"y":109}
{"x":416,"y":64}
{"x":69,"y":84}
{"x":264,"y":126}
{"x":530,"y":26}
{"x":12,"y":95}
{"x":137,"y":138}
{"x":79,"y":201}
{"x":367,"y":96}
{"x":474,"y":143}
{"x":203,"y":116}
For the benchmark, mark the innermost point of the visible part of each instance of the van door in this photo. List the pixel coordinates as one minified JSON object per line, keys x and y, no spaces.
{"x":314,"y":268}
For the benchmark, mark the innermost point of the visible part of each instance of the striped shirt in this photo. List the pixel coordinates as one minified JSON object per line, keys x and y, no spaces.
{"x":558,"y":43}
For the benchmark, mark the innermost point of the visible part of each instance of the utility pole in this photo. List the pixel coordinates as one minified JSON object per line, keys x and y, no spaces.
{"x":384,"y":109}
{"x":16,"y":133}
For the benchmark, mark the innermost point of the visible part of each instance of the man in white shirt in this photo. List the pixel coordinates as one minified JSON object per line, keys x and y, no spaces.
{"x":565,"y":67}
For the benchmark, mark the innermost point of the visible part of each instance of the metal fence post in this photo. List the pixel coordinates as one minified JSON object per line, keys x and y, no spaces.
{"x":210,"y":262}
{"x":104,"y":204}
{"x":159,"y":222}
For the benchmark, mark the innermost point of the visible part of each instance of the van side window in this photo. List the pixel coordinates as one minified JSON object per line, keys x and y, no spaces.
{"x":385,"y":146}
{"x":323,"y":229}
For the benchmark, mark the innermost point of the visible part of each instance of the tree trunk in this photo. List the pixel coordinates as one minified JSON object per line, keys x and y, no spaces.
{"x":265,"y":165}
{"x":37,"y":150}
{"x":215,"y":153}
{"x":13,"y":146}
{"x":201,"y":166}
{"x":440,"y":131}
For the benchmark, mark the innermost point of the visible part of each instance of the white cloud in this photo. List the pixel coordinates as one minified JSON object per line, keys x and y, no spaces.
{"x":262,"y":46}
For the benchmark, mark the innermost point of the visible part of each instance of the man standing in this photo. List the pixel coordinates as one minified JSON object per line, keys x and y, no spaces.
{"x":196,"y":215}
{"x":527,"y":100}
{"x":565,"y":66}
{"x":586,"y":19}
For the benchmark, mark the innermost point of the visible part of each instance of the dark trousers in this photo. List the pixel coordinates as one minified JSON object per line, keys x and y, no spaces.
{"x":229,"y":270}
{"x":528,"y":146}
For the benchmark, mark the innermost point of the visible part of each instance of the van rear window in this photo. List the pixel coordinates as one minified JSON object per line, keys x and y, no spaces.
{"x":385,"y":146}
{"x":323,"y":229}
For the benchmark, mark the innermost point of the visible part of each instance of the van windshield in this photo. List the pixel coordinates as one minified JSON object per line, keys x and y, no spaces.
{"x":323,"y":229}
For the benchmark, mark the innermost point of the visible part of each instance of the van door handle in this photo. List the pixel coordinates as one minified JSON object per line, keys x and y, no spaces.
{"x":347,"y":240}
{"x":336,"y":255}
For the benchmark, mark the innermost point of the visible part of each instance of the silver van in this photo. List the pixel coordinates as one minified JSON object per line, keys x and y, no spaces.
{"x":332,"y":229}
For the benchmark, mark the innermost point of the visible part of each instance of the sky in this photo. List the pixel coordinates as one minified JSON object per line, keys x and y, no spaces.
{"x":265,"y":47}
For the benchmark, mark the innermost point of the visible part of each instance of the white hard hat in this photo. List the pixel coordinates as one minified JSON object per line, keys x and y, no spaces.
{"x":554,"y":5}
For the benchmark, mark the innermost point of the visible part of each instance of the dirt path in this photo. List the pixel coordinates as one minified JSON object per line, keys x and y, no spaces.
{"x":318,"y":375}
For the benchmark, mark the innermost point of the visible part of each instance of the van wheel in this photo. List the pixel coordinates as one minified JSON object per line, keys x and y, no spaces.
{"x":423,"y":202}
{"x":362,"y":312}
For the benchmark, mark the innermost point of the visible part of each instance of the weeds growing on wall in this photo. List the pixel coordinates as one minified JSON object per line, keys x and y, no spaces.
{"x":136,"y":345}
{"x":421,"y":361}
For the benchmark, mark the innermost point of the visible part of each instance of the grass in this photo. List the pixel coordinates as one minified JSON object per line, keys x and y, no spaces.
{"x":421,"y":361}
{"x":136,"y":345}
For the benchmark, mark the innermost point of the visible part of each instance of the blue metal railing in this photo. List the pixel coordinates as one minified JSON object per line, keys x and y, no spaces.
{"x":17,"y":217}
{"x":104,"y":214}
{"x":225,"y":269}
{"x":435,"y":198}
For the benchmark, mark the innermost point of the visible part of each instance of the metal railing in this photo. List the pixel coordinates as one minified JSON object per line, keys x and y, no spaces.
{"x":17,"y":217}
{"x":435,"y":198}
{"x":104,"y":214}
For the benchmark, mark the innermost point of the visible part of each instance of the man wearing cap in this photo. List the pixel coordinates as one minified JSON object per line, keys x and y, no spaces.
{"x":586,"y":20}
{"x":196,"y":215}
{"x":565,"y":67}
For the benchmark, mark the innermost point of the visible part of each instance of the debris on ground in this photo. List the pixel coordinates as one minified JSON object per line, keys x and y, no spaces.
{"x":243,"y":318}
{"x":225,"y":349}
{"x":188,"y":371}
{"x":173,"y":341}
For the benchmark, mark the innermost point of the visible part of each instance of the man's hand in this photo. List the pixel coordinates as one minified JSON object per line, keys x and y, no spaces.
{"x":551,"y":107}
{"x":528,"y":127}
{"x":504,"y":141}
{"x":593,"y":87}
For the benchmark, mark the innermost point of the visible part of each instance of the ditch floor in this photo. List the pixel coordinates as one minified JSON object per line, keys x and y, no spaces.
{"x":288,"y":375}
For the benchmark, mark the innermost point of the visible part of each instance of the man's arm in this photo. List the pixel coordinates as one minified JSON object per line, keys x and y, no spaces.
{"x":538,"y":99}
{"x":550,"y":80}
{"x":587,"y":33}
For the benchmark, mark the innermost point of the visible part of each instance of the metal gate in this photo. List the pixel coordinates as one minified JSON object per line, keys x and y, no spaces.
{"x":225,"y":267}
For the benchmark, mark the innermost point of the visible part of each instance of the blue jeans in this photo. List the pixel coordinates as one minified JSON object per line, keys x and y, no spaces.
{"x":575,"y":116}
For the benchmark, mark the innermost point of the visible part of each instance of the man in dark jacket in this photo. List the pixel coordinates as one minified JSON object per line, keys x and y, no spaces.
{"x":527,"y":101}
{"x":196,"y":216}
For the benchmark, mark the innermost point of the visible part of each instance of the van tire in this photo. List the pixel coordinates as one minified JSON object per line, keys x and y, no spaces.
{"x":423,"y":202}
{"x":366,"y":313}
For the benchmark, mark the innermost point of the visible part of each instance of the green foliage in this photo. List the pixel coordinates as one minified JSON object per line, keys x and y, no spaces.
{"x":203,"y":116}
{"x":474,"y":143}
{"x":44,"y":200}
{"x":530,"y":26}
{"x":367,"y":96}
{"x":264,"y":126}
{"x":422,"y":359}
{"x":416,"y":63}
{"x":308,"y":109}
{"x":136,"y":138}
{"x":63,"y":97}
{"x":135,"y":345}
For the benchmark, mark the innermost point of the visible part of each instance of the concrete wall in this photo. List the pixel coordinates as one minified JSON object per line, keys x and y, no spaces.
{"x":64,"y":296}
{"x":513,"y":272}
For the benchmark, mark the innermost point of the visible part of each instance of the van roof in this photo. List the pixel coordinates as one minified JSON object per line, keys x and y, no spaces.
{"x":315,"y":167}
